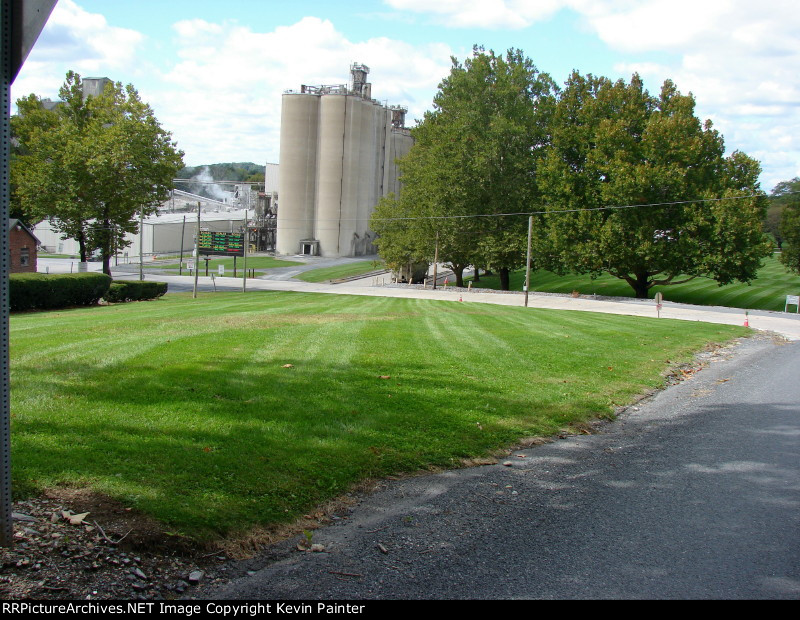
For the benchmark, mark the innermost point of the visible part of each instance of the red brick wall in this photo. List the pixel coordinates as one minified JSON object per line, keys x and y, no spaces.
{"x":18,"y":240}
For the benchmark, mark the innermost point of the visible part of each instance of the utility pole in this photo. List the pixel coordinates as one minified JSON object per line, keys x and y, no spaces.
{"x":528,"y":260}
{"x":21,"y":21}
{"x":196,"y":252}
{"x":141,"y":244}
{"x":6,"y":526}
{"x":436,"y":261}
{"x":183,"y":230}
{"x":244,"y":237}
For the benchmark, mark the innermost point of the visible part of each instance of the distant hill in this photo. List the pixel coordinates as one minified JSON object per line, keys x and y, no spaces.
{"x":224,"y":172}
{"x":206,"y":175}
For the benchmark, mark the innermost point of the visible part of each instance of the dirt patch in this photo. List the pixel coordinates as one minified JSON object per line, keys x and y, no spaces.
{"x":115,"y":522}
{"x":113,"y":552}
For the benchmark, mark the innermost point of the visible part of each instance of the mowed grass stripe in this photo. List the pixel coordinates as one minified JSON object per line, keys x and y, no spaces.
{"x":767,"y":292}
{"x":324,"y":274}
{"x":187,"y":412}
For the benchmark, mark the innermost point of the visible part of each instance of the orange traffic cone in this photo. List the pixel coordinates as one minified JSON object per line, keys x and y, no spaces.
{"x":459,"y":298}
{"x":746,"y":320}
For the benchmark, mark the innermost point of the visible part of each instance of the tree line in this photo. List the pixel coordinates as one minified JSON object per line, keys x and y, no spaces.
{"x":198,"y":178}
{"x":503,"y":140}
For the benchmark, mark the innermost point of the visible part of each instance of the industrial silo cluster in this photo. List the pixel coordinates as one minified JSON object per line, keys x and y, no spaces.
{"x":339,"y":151}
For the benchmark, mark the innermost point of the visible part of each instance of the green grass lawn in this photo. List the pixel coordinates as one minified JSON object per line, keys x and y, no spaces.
{"x":767,"y":292}
{"x":324,"y":274}
{"x":253,"y":262}
{"x":185,"y":408}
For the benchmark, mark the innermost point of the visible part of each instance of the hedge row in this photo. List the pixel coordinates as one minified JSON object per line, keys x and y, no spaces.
{"x":135,"y":290}
{"x":38,"y":291}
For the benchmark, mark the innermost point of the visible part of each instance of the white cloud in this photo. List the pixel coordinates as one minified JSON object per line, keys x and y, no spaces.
{"x":231,"y":83}
{"x":75,"y":39}
{"x":739,"y":58}
{"x":220,"y":93}
{"x":195,"y":28}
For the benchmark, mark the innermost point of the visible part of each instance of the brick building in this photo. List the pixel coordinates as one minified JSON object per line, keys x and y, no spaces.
{"x":22,"y":247}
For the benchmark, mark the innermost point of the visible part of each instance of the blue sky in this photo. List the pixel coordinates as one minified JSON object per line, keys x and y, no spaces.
{"x":214,"y":71}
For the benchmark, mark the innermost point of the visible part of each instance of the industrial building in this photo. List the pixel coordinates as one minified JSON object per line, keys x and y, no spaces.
{"x":166,"y":233}
{"x":339,"y":152}
{"x":92,"y":87}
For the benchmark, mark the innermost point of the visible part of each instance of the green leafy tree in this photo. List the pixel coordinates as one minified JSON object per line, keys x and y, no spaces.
{"x":783,"y":195}
{"x":92,"y":164}
{"x":613,"y":144}
{"x":790,"y":225}
{"x":474,"y":154}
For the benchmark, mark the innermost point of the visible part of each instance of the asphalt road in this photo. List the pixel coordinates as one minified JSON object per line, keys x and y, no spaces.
{"x":691,"y":494}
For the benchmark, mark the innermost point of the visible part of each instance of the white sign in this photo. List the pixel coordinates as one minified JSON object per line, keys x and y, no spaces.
{"x":792,"y":300}
{"x":221,"y":270}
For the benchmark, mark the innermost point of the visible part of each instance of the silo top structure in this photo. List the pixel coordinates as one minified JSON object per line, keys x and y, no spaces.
{"x":339,"y":149}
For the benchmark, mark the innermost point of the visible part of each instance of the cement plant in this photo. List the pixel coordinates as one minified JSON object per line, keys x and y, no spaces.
{"x":339,"y":150}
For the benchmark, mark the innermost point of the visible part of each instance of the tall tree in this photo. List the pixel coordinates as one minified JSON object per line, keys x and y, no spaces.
{"x":474,"y":154}
{"x":615,"y":145}
{"x":783,"y":195}
{"x":787,"y":197}
{"x":92,"y":164}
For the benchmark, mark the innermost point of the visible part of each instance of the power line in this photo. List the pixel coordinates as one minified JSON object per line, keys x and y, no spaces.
{"x":529,"y":213}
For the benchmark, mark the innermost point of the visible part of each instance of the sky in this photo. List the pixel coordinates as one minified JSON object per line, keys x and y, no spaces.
{"x":214,"y":71}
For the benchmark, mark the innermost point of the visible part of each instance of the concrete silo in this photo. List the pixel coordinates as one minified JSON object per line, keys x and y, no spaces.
{"x":298,"y":165}
{"x":338,"y":151}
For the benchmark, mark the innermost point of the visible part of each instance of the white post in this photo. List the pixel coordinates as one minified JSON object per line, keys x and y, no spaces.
{"x":196,"y":253}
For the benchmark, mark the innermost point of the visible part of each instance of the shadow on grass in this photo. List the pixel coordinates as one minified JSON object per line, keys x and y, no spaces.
{"x":221,"y":448}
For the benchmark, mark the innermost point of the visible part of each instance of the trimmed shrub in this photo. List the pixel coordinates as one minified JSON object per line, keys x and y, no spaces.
{"x":134,"y":290}
{"x":39,"y":291}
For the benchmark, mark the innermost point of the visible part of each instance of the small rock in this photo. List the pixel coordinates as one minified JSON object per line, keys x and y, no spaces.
{"x":180,"y":586}
{"x":138,"y":573}
{"x":195,"y":576}
{"x":507,"y":464}
{"x":19,"y":516}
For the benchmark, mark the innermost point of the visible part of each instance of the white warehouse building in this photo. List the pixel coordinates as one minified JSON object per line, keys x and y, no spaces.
{"x":338,"y":157}
{"x":167,"y":233}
